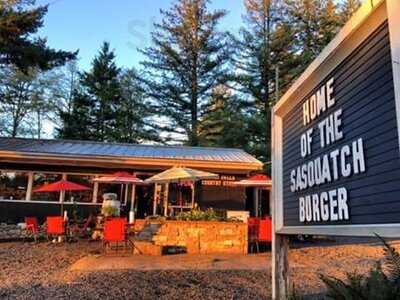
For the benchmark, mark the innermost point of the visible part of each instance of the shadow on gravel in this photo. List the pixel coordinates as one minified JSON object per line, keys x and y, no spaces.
{"x":150,"y":285}
{"x":340,"y":241}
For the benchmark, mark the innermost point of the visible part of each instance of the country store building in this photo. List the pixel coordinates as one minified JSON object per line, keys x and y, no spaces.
{"x":26,"y":164}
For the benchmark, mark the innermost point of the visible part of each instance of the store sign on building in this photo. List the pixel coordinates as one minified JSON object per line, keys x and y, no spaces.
{"x":224,"y":180}
{"x":336,"y":162}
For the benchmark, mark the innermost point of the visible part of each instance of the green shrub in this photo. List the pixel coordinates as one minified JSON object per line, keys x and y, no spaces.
{"x":376,"y":285}
{"x":199,"y":215}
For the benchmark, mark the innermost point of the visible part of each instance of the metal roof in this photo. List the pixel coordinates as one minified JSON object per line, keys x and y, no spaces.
{"x":89,"y":148}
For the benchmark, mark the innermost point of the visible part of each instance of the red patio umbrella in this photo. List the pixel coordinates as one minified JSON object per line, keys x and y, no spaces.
{"x":61,"y":186}
{"x":258,"y":180}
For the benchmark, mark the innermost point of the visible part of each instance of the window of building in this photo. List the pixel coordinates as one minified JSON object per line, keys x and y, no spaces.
{"x":80,"y":196}
{"x":40,"y":179}
{"x":13,"y":185}
{"x":114,"y":188}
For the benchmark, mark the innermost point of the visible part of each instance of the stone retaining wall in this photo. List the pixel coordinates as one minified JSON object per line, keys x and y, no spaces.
{"x":204,"y":236}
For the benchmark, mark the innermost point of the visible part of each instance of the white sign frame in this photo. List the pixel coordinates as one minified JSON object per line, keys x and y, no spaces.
{"x":361,"y":25}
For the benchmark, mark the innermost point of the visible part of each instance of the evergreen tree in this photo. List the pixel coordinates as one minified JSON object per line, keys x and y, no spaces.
{"x":102,"y":87}
{"x":330,"y":22}
{"x":187,"y":60}
{"x":266,"y":44}
{"x":223,"y":123}
{"x":19,"y":22}
{"x":108,"y":104}
{"x":316,"y":23}
{"x":348,"y":8}
{"x":134,"y":117}
{"x":76,"y":123}
{"x":16,"y":92}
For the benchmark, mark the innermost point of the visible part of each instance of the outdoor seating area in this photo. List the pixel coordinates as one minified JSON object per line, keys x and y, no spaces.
{"x":192,"y":231}
{"x":153,"y":213}
{"x":152,"y":236}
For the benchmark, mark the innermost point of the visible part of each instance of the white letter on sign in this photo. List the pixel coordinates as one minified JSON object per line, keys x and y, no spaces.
{"x":302,"y":215}
{"x":358,"y":156}
{"x":343,"y":208}
{"x":306,"y":113}
{"x":305,"y":143}
{"x":329,"y":91}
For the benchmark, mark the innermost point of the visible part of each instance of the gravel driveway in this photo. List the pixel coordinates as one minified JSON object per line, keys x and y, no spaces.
{"x":42,"y":271}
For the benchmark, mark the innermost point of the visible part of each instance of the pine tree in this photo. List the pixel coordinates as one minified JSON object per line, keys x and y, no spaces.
{"x":266,"y":44}
{"x":348,"y":8}
{"x":102,"y":87}
{"x":76,"y":123}
{"x":134,"y":116}
{"x":19,"y":23}
{"x":18,"y":91}
{"x":223,"y":123}
{"x":305,"y":16}
{"x":330,"y":23}
{"x":316,"y":23}
{"x":187,"y":60}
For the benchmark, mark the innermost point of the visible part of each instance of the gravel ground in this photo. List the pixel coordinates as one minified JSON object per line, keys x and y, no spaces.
{"x":41,"y":271}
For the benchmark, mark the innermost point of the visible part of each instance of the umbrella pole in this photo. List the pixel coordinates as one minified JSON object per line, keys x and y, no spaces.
{"x":126,"y":193}
{"x":166,"y":195}
{"x":62,"y":202}
{"x":155,"y":200}
{"x":132,"y":211}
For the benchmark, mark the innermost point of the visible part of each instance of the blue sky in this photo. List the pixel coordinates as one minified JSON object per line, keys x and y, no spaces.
{"x":126,"y":24}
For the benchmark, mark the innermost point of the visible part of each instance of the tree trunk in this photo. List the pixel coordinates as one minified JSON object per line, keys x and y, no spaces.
{"x":267,"y":62}
{"x":194,"y":141}
{"x":39,"y":124}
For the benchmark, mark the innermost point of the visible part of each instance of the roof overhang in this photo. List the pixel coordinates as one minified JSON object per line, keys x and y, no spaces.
{"x":113,"y":162}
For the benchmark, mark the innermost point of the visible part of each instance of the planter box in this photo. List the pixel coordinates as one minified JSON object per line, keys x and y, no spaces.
{"x":203,"y":237}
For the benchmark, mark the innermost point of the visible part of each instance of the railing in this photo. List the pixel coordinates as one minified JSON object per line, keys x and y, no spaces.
{"x":48,"y":202}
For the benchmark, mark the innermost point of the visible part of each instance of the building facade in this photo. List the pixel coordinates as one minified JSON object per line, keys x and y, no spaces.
{"x":26,"y":164}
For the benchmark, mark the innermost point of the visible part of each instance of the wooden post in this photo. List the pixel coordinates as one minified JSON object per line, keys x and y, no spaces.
{"x":166,"y":195}
{"x":133,"y":197}
{"x":132,"y":210}
{"x":280,"y":267}
{"x":62,"y":193}
{"x":28,"y":195}
{"x":126,"y":194}
{"x":95,"y":192}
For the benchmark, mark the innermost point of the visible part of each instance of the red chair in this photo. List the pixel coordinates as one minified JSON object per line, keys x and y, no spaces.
{"x":32,"y":227}
{"x":253,"y":225}
{"x":115,"y":232}
{"x":55,"y":226}
{"x":265,"y":230}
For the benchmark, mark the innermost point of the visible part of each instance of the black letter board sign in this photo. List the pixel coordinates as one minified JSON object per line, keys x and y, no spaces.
{"x":336,"y":158}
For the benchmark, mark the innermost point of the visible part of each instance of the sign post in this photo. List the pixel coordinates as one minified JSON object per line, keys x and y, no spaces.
{"x":280,"y":266}
{"x":336,"y":137}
